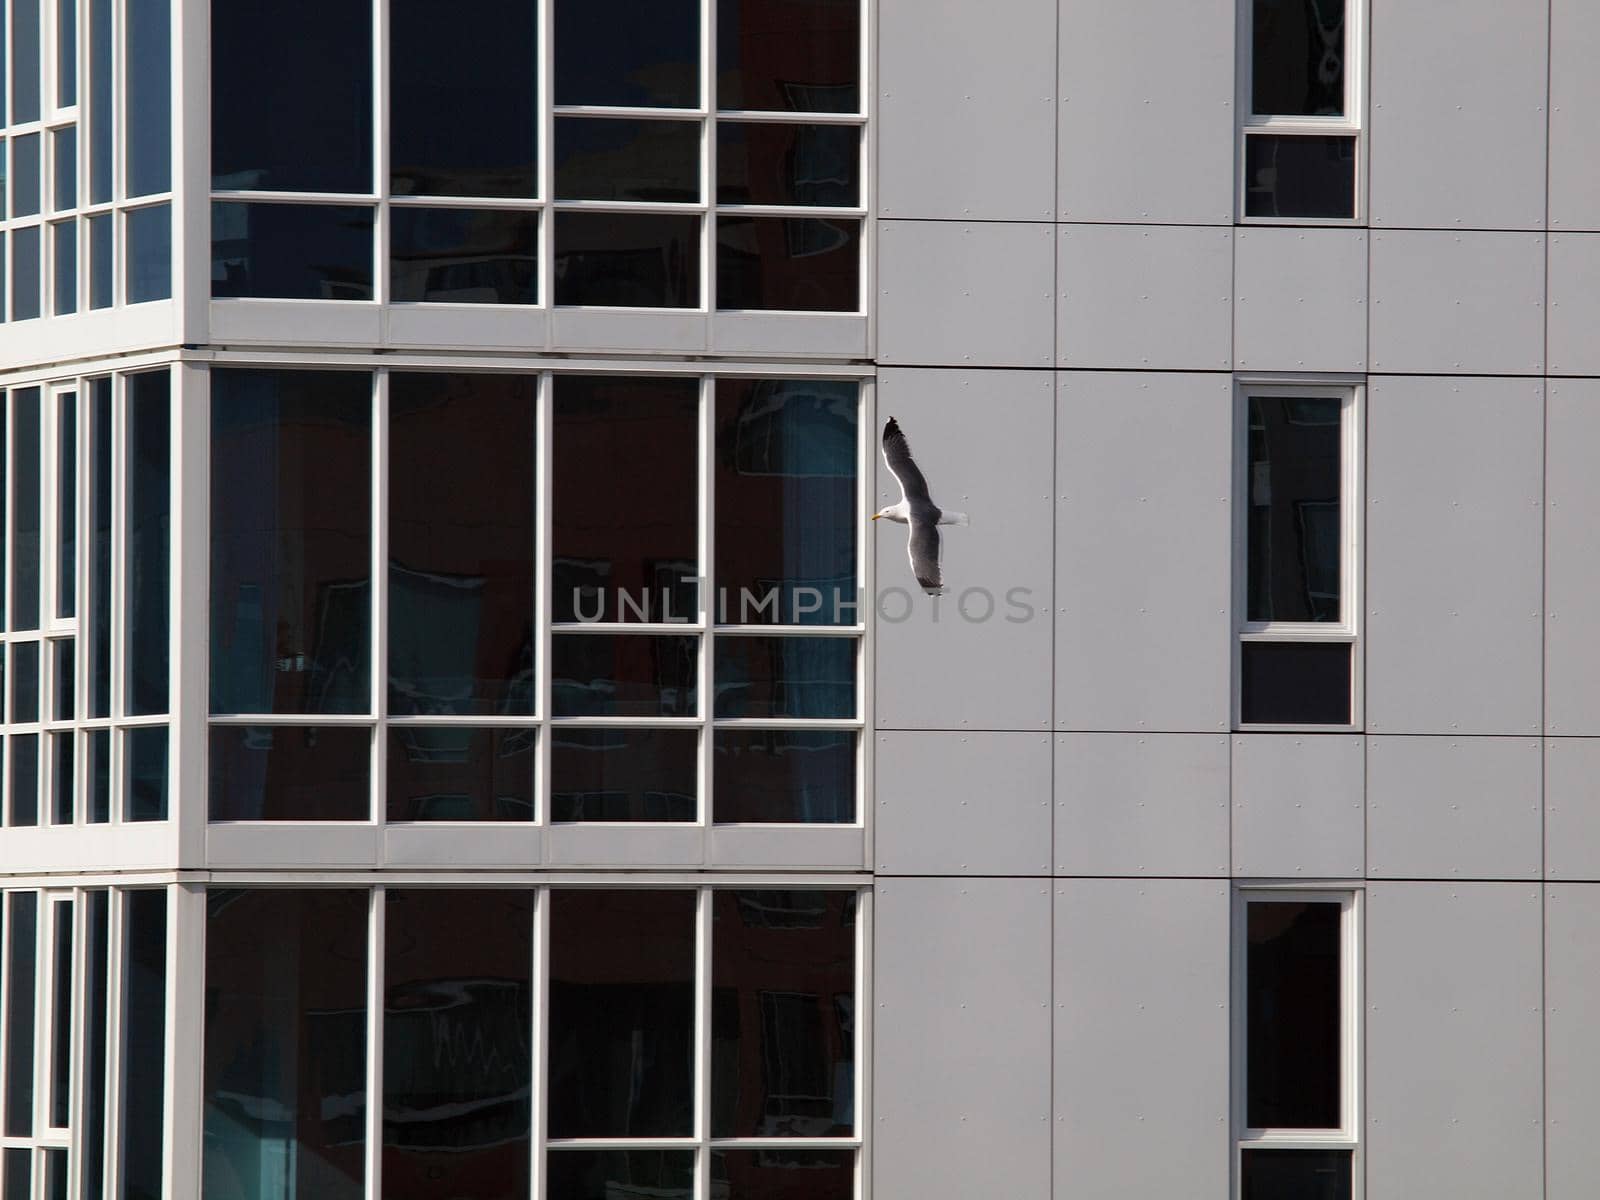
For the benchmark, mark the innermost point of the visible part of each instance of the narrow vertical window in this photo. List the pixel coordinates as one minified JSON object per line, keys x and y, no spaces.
{"x":59,"y":1105}
{"x":66,"y":53}
{"x":26,"y":525}
{"x":96,"y":996}
{"x":144,"y":1029}
{"x":99,"y":498}
{"x":1296,"y":536}
{"x":148,"y":262}
{"x":148,"y":62}
{"x":149,"y":585}
{"x":100,"y":101}
{"x":67,"y":504}
{"x":25,"y":61}
{"x":22,"y":923}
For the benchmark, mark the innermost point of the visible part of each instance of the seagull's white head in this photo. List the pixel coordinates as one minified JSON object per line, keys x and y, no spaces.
{"x":900,"y":512}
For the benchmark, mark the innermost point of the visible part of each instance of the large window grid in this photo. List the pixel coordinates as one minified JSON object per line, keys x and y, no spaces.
{"x":87,"y":152}
{"x":840,"y":622}
{"x":721,"y":228}
{"x":86,"y":716}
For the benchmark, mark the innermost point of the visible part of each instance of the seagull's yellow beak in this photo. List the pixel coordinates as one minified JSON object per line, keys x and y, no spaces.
{"x":875,"y":516}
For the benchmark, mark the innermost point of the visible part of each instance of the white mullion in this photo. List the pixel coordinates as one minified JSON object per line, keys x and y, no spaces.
{"x":820,"y":212}
{"x":119,"y":584}
{"x":184,"y":1018}
{"x":539,"y":1040}
{"x":545,"y":113}
{"x":115,"y":989}
{"x":78,"y":1028}
{"x":632,"y":112}
{"x":542,"y":600}
{"x":9,"y":931}
{"x":776,"y":116}
{"x":702,"y":1041}
{"x":380,"y":150}
{"x":707,"y":681}
{"x":376,"y":913}
{"x":866,"y":461}
{"x":379,"y":524}
{"x":708,"y":162}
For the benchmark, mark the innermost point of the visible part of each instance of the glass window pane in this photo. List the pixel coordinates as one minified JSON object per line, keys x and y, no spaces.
{"x":22,"y":921}
{"x":796,"y":264}
{"x":66,"y":53}
{"x":471,"y":56}
{"x":55,"y":1173}
{"x":101,"y":100}
{"x":621,"y":1013}
{"x":25,"y":507}
{"x":26,"y":180}
{"x":448,"y":773}
{"x":603,"y":159}
{"x":1297,"y":58}
{"x":291,"y":251}
{"x":788,"y":164}
{"x":789,"y":57}
{"x":783,"y":1175}
{"x":1296,"y":1174}
{"x":604,"y":675}
{"x":637,"y":260}
{"x":149,"y":95}
{"x":5,"y":475}
{"x":61,"y":778}
{"x":146,"y":751}
{"x":67,"y":505}
{"x":25,"y":63}
{"x":144,"y":1028}
{"x":97,"y":770}
{"x":62,"y":683}
{"x":271,"y":128}
{"x":149,"y":265}
{"x":24,"y":683}
{"x":291,"y":541}
{"x":784,"y":776}
{"x":1295,"y":517}
{"x":461,"y":547}
{"x":620,"y":52}
{"x":615,"y":561}
{"x":457,"y":1043}
{"x":786,"y":677}
{"x":99,"y":605}
{"x":609,"y":1174}
{"x":101,"y":260}
{"x":1288,"y":176}
{"x":783,"y":1013}
{"x":787,"y":507}
{"x":95,"y":998}
{"x":64,"y":243}
{"x":65,"y":153}
{"x":624,"y":774}
{"x":285,"y":1055}
{"x":149,"y":436}
{"x":60,"y":1099}
{"x":24,"y":751}
{"x":19,"y":1174}
{"x":25,"y":279}
{"x":1293,"y":994}
{"x":290,"y":774}
{"x":1295,"y":683}
{"x":463,"y":256}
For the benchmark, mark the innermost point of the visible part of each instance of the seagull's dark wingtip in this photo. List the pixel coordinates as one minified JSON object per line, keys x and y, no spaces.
{"x":892,"y":428}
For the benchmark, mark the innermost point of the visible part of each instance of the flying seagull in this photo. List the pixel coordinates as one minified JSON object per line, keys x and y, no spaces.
{"x":916,"y":509}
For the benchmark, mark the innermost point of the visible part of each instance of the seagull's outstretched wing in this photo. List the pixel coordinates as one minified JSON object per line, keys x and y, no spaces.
{"x":923,"y":547}
{"x":897,"y":453}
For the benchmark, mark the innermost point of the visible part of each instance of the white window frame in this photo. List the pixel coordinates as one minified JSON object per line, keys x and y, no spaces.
{"x":1347,"y":1136}
{"x":1351,"y":392}
{"x":1351,"y":124}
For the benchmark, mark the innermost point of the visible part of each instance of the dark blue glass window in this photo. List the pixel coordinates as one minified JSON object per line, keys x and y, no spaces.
{"x":99,"y":605}
{"x":637,"y":260}
{"x":100,"y":102}
{"x":451,"y":773}
{"x":66,"y":57}
{"x":149,"y":534}
{"x":22,"y":921}
{"x":789,"y":57}
{"x":604,"y":1174}
{"x":784,"y":776}
{"x":25,"y":508}
{"x":1290,"y":176}
{"x":623,"y":675}
{"x":621,"y":52}
{"x":624,"y":774}
{"x":25,"y":56}
{"x":786,"y":677}
{"x":788,"y":164}
{"x":290,"y":773}
{"x":463,"y":255}
{"x":26,"y":180}
{"x":291,"y":251}
{"x":64,"y":243}
{"x":102,"y":263}
{"x":144,"y":1030}
{"x":146,"y":750}
{"x":798,"y":264}
{"x":149,"y":266}
{"x":148,"y":65}
{"x":65,"y":150}
{"x":607,"y":158}
{"x":25,"y":278}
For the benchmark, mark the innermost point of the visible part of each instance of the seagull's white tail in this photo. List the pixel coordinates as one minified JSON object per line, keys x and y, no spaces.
{"x":954,"y":518}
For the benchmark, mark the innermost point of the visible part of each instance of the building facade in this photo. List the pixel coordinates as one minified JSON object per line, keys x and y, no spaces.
{"x":465,"y":739}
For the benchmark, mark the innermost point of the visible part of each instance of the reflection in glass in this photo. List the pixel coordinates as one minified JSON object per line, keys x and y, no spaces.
{"x":291,"y":541}
{"x":97,"y":770}
{"x":290,"y":773}
{"x":99,"y":600}
{"x":1297,"y":58}
{"x":624,"y":675}
{"x":65,"y":151}
{"x":314,"y":137}
{"x":1295,"y":540}
{"x":463,"y":256}
{"x":64,"y":244}
{"x":101,"y":261}
{"x":59,"y":1101}
{"x":619,"y":52}
{"x":461,"y":545}
{"x":25,"y":175}
{"x":1295,"y":683}
{"x":61,"y":786}
{"x":617,"y":559}
{"x":1296,"y":1174}
{"x":623,"y":159}
{"x":621,"y":1021}
{"x":19,"y":1174}
{"x":784,"y":776}
{"x":147,"y":67}
{"x":786,"y":511}
{"x":788,"y":164}
{"x":783,"y":1174}
{"x":144,"y":1029}
{"x":608,"y":1174}
{"x":24,"y":683}
{"x":67,"y":505}
{"x":1292,"y":1016}
{"x":457,"y":1048}
{"x":1289,"y":176}
{"x":285,"y":1054}
{"x":100,"y":102}
{"x":451,"y":773}
{"x":95,"y":1000}
{"x":149,"y":535}
{"x":61,"y":658}
{"x":786,"y":677}
{"x":25,"y":64}
{"x":25,"y":513}
{"x":796,"y":264}
{"x":638,"y":260}
{"x":292,"y":251}
{"x":146,"y":751}
{"x":624,"y":774}
{"x":446,"y":62}
{"x":783,"y":1013}
{"x":25,"y":278}
{"x":789,"y":57}
{"x":24,"y":750}
{"x":149,"y":262}
{"x":22,"y":923}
